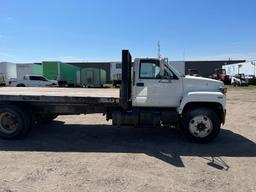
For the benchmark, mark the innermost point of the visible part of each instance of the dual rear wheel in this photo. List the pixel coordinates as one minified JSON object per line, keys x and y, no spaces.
{"x":15,"y":122}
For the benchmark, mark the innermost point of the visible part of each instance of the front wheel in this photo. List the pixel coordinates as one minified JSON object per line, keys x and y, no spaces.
{"x":200,"y":125}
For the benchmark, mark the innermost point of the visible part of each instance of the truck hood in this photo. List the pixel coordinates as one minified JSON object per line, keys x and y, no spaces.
{"x":192,"y":83}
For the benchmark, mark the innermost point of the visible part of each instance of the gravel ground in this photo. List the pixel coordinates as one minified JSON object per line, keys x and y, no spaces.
{"x":84,"y":153}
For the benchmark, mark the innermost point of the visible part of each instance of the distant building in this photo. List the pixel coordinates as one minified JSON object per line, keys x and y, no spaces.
{"x":204,"y":68}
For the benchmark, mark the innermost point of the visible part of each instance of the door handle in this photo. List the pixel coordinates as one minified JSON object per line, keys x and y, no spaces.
{"x":140,"y":84}
{"x":165,"y":81}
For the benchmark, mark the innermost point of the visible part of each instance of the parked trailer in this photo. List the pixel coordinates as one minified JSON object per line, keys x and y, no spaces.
{"x":93,"y":77}
{"x":116,"y":73}
{"x":247,"y":68}
{"x":65,"y":74}
{"x":152,"y":94}
{"x":7,"y":72}
{"x":29,"y":69}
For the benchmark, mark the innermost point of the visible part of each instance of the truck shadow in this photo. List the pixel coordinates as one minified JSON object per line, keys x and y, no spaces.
{"x":164,"y":144}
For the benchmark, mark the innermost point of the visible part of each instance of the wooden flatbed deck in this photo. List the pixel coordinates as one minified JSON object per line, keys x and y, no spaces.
{"x":60,"y":95}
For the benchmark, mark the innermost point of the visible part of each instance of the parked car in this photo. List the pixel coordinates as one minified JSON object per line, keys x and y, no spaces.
{"x":33,"y":81}
{"x":239,"y":80}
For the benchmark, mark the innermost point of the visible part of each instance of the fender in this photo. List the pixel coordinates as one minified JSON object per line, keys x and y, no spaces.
{"x":206,"y":97}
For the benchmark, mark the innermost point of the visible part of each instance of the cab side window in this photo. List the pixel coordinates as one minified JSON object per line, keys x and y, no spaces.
{"x":37,"y":78}
{"x":149,"y":70}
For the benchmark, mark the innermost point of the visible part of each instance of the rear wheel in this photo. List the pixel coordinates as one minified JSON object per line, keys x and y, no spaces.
{"x":14,"y":122}
{"x":200,"y":125}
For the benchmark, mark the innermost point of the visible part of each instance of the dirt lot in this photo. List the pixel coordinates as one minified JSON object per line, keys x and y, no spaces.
{"x":74,"y":154}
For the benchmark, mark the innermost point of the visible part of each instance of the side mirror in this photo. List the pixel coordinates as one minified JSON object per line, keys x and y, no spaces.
{"x":165,"y":77}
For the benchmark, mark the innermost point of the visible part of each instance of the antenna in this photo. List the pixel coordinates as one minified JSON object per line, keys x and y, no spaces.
{"x":158,"y":49}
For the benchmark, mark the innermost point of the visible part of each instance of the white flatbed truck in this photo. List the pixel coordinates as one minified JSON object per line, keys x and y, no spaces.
{"x":152,"y":94}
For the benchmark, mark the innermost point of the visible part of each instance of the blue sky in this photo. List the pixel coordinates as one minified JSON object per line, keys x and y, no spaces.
{"x":97,"y":30}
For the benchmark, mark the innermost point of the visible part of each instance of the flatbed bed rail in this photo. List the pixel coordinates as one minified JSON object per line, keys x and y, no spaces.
{"x":60,"y":95}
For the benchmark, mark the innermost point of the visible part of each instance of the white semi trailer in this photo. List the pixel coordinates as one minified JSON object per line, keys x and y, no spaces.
{"x":248,"y":69}
{"x":24,"y":69}
{"x":7,"y":72}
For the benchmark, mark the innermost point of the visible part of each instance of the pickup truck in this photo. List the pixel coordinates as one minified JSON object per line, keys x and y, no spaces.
{"x":33,"y":81}
{"x":152,"y":94}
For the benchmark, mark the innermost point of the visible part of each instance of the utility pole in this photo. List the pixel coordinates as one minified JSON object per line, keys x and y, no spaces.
{"x":239,"y":66}
{"x":158,"y":49}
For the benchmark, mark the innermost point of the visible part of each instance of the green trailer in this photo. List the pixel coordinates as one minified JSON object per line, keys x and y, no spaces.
{"x":37,"y":69}
{"x":93,"y":77}
{"x":65,"y":74}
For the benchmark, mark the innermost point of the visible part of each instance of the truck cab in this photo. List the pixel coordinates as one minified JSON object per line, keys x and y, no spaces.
{"x":158,"y":84}
{"x":157,"y":94}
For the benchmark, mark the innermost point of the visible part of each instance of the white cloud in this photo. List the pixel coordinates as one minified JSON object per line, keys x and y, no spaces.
{"x":9,"y":18}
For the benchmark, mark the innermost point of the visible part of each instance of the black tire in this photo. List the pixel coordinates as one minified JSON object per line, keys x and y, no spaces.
{"x":209,"y":116}
{"x":20,"y":85}
{"x":19,"y":116}
{"x":62,"y":83}
{"x":46,"y":118}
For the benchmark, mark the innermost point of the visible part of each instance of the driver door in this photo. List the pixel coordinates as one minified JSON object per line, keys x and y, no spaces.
{"x":153,"y":90}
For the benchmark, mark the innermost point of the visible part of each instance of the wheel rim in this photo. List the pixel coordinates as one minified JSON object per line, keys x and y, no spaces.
{"x":8,"y":123}
{"x":200,"y":126}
